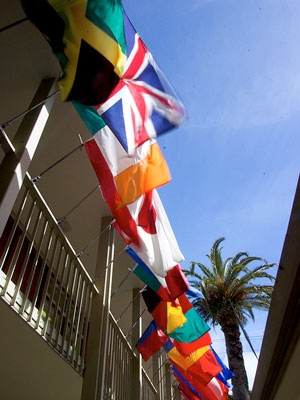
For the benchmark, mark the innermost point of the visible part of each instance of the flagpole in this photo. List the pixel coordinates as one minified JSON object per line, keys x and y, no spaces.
{"x":136,"y":322}
{"x":107,"y":265}
{"x":36,"y":178}
{"x":61,"y":220}
{"x":20,"y":21}
{"x":121,"y":283}
{"x":91,"y":242}
{"x":7,"y":123}
{"x":124,"y":311}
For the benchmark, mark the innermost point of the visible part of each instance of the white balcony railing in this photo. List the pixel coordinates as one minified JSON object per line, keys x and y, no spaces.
{"x":42,"y":279}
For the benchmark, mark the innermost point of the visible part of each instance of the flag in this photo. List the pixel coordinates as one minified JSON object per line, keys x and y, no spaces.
{"x":167,"y":315}
{"x":192,"y":330}
{"x":142,"y":102}
{"x":87,"y":37}
{"x":110,"y":194}
{"x":187,"y":348}
{"x":200,"y":365}
{"x":213,"y":390}
{"x":192,"y":292}
{"x":179,"y":359}
{"x":195,"y":326}
{"x":218,"y":390}
{"x":178,"y":319}
{"x":200,"y":381}
{"x":151,"y":341}
{"x":168,"y":288}
{"x":157,"y":246}
{"x":225,"y":375}
{"x":133,"y":175}
{"x":187,"y":390}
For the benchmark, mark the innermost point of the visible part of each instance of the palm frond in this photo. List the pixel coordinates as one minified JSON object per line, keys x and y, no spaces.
{"x":238,"y":256}
{"x":207,"y":272}
{"x":215,"y":256}
{"x":258,"y":273}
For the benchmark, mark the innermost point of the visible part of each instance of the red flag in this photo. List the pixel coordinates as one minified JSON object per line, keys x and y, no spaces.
{"x":200,"y":365}
{"x":213,"y":390}
{"x":187,"y":348}
{"x":157,"y":247}
{"x":176,"y":281}
{"x":151,"y":341}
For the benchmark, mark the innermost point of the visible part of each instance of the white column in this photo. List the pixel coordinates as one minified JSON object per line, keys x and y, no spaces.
{"x":136,"y":384}
{"x":93,"y":380}
{"x":20,"y":152}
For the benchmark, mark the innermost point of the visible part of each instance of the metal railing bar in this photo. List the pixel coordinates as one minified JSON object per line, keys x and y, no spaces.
{"x":26,"y":260}
{"x":64,"y":300}
{"x":81,"y":328}
{"x":17,"y":253}
{"x":72,"y":324}
{"x":79,"y":315}
{"x":68,"y":311}
{"x":34,"y":266}
{"x":149,"y":382}
{"x":58,"y":309}
{"x":14,"y":228}
{"x":110,"y":356}
{"x":55,"y":278}
{"x":41,"y":275}
{"x":122,"y":336}
{"x":86,"y":328}
{"x":45,"y":289}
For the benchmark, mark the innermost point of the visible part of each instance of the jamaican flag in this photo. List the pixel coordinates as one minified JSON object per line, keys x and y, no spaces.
{"x":87,"y":37}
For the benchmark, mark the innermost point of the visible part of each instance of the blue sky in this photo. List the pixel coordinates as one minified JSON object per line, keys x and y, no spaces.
{"x":235,"y":161}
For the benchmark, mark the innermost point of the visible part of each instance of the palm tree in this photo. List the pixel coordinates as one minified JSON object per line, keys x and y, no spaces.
{"x":230,"y":292}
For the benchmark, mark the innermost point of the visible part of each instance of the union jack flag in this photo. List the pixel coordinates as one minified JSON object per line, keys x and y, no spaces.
{"x":143,"y":104}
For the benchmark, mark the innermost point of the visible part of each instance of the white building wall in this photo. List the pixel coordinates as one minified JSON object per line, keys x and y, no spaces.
{"x":30,"y":368}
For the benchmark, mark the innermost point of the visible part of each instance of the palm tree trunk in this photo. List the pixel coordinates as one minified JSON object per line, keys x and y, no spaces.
{"x":234,"y":349}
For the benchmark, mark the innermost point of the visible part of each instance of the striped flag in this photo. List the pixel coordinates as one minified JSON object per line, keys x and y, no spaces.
{"x":151,"y":340}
